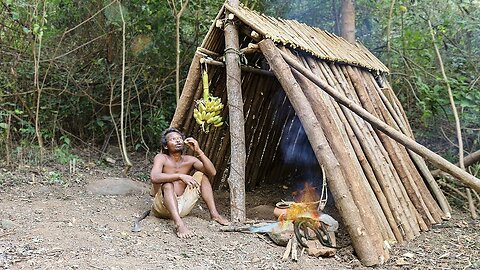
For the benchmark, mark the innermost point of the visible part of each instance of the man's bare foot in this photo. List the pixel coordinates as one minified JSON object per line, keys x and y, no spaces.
{"x":183,"y":232}
{"x":221,"y":220}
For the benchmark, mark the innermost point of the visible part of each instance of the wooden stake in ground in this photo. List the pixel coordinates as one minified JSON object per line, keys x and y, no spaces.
{"x":236,"y":179}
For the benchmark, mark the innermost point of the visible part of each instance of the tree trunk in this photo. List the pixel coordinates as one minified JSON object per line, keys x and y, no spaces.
{"x":336,"y":180}
{"x":406,"y":141}
{"x":347,"y":18}
{"x":236,"y":179}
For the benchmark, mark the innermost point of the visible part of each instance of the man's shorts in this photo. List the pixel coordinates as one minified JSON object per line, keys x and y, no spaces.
{"x":186,"y":201}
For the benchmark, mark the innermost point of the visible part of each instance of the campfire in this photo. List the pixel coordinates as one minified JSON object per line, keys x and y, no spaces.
{"x":300,"y":224}
{"x":309,"y":231}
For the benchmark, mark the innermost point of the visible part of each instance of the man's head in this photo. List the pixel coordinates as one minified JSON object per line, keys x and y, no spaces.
{"x":172,"y":140}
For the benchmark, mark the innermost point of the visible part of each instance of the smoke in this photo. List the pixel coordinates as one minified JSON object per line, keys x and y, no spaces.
{"x":318,"y":13}
{"x":297,"y":154}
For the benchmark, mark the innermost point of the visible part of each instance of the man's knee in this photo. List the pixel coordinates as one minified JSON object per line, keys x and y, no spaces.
{"x":199,"y":177}
{"x":168,"y":187}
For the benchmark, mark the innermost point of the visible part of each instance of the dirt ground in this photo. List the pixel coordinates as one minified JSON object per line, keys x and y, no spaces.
{"x":49,"y":220}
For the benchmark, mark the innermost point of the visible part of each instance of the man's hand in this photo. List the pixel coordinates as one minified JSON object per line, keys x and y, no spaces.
{"x":189,"y":180}
{"x":193,"y":144}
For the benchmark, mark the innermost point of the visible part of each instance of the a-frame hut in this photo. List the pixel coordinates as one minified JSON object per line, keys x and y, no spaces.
{"x":383,"y":191}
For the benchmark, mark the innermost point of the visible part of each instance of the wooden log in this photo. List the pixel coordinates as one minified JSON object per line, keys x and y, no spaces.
{"x":208,"y":53}
{"x":418,"y":160}
{"x":424,"y":194}
{"x":469,"y":160}
{"x":294,"y":248}
{"x":393,"y":150}
{"x":356,"y":180}
{"x":288,"y":250}
{"x":343,"y":198}
{"x":251,"y":48}
{"x":236,"y":179}
{"x":378,"y":160}
{"x":426,"y":153}
{"x":347,"y":163}
{"x":389,"y":224}
{"x":186,"y":99}
{"x":242,"y":67}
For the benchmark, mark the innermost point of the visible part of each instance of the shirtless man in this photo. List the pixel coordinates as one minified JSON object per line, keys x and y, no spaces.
{"x":175,"y":190}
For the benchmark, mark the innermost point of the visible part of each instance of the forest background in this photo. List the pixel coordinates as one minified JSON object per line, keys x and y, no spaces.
{"x":67,"y":67}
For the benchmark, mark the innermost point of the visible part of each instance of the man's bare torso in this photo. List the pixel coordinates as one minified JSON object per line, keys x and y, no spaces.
{"x":171,"y":166}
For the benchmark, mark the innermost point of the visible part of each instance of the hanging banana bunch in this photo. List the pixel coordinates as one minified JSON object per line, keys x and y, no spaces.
{"x":207,"y":110}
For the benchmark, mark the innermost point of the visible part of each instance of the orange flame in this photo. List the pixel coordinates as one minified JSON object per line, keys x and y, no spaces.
{"x":305,"y":205}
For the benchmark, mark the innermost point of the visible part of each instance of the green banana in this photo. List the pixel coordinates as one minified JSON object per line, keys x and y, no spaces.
{"x":207,"y":110}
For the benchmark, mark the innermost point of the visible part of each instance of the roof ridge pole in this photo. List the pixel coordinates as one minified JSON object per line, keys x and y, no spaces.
{"x":236,"y":179}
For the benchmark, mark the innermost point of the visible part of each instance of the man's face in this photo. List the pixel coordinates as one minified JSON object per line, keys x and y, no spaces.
{"x":174,"y":142}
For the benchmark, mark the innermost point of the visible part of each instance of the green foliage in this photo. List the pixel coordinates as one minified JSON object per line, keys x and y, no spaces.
{"x":80,"y":70}
{"x":63,"y":153}
{"x":55,"y":178}
{"x":155,"y":125}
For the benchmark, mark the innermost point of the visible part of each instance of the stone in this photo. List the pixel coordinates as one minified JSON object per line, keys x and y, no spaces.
{"x":316,"y":249}
{"x":7,"y":224}
{"x":117,"y":186}
{"x":282,"y":233}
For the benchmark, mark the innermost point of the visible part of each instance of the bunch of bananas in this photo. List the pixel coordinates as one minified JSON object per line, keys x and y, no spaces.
{"x":207,"y":110}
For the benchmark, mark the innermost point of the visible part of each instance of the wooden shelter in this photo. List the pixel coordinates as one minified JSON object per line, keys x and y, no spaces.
{"x":383,"y":191}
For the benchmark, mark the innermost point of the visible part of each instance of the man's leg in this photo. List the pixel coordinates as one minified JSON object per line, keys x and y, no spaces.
{"x":207,"y":196}
{"x":170,"y":202}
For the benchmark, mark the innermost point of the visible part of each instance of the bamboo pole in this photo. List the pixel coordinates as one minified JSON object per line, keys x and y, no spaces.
{"x":264,"y":132}
{"x":343,"y":198}
{"x":426,"y":153}
{"x":277,"y":128}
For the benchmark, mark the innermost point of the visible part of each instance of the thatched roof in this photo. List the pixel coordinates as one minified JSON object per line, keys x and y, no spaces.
{"x":320,"y":43}
{"x":387,"y":190}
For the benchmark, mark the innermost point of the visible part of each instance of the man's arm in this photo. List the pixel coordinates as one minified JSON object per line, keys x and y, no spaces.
{"x":202,"y":163}
{"x":157,"y":176}
{"x":205,"y":165}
